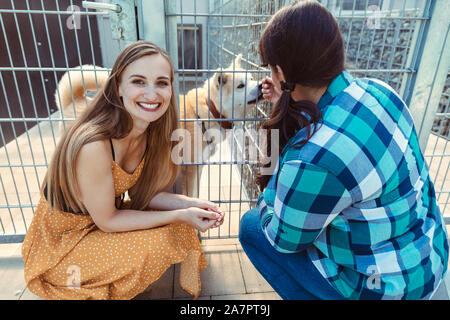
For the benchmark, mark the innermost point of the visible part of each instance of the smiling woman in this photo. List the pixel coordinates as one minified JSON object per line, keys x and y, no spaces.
{"x":121,"y":143}
{"x":146,"y":92}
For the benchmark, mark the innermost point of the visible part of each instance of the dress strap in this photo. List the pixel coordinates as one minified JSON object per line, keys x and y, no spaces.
{"x":112,"y":149}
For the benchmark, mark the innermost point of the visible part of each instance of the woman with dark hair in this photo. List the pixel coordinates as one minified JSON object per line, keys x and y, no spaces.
{"x":85,"y":242}
{"x":350,"y":210}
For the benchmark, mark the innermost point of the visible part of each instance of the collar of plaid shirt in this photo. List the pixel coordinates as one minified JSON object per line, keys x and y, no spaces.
{"x":337,"y":85}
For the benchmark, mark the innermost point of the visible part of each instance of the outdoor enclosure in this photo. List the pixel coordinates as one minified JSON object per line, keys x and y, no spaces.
{"x":402,"y":42}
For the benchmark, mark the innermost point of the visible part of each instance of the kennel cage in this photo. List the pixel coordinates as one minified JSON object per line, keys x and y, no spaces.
{"x":404,"y":43}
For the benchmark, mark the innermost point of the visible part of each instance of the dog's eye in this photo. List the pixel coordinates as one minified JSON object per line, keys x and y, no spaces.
{"x":241,"y":86}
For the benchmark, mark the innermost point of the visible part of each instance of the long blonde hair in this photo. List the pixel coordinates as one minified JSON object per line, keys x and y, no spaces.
{"x":107,"y":118}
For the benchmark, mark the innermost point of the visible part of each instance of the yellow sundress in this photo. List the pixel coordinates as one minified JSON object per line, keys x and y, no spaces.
{"x":66,"y":256}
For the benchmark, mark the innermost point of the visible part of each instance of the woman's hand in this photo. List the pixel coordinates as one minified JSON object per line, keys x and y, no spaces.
{"x":201,"y":219}
{"x":210,"y":206}
{"x":270,"y":91}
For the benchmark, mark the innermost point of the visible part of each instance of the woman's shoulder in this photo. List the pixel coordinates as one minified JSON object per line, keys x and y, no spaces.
{"x":96,"y":147}
{"x":95,"y":153}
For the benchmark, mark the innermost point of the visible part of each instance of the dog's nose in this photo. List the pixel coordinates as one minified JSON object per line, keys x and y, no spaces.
{"x":260,"y":94}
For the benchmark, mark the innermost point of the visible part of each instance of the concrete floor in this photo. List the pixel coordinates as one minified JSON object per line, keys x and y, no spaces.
{"x":229,"y":276}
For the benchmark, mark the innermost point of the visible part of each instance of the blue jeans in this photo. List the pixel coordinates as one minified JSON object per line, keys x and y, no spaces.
{"x":292,"y":275}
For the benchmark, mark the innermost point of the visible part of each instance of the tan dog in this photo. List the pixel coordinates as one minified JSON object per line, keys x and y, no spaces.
{"x":230,"y":90}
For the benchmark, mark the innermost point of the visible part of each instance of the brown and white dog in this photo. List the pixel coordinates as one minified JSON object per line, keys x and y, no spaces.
{"x":231,"y":92}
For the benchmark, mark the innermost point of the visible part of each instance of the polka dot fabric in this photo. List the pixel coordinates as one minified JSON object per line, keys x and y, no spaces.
{"x":67,"y":257}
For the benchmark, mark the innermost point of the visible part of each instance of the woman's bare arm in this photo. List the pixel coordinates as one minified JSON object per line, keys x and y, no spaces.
{"x":97,"y":194}
{"x":171,"y":201}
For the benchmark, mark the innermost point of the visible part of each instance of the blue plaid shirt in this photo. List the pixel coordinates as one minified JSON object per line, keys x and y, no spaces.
{"x":358,"y":197}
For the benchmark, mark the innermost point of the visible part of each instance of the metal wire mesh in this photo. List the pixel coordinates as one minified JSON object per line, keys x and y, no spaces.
{"x":40,"y":41}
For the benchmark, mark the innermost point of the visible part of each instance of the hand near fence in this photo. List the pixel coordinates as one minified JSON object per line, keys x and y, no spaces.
{"x":209,"y":206}
{"x":270,"y":91}
{"x":202,"y":219}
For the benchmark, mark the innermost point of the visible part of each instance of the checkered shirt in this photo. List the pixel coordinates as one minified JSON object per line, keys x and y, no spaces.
{"x":358,"y":197}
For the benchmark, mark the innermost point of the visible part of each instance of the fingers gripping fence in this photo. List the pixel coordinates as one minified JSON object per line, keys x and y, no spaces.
{"x":404,"y":43}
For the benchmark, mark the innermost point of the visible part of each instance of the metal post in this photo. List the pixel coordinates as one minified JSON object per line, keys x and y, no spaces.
{"x":154,"y":27}
{"x":171,"y":45}
{"x":432,"y":64}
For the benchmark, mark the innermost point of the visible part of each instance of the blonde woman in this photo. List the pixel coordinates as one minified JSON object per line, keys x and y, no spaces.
{"x":85,"y":241}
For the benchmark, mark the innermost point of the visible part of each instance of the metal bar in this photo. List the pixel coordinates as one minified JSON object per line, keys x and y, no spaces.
{"x":68,"y":12}
{"x":245,"y":25}
{"x":72,"y":119}
{"x":12,"y":238}
{"x":405,"y":56}
{"x":28,"y":205}
{"x":3,"y":227}
{"x":30,"y":87}
{"x":183,"y":84}
{"x":232,"y":115}
{"x":42,"y":77}
{"x":81,"y":63}
{"x":252,"y":24}
{"x":241,"y":189}
{"x":18,"y":206}
{"x":12,"y":165}
{"x":5,"y":145}
{"x":374,"y":31}
{"x":350,"y":28}
{"x":7,"y":206}
{"x":230,"y":15}
{"x":406,"y":70}
{"x":11,"y":120}
{"x":446,"y":203}
{"x":217,"y":15}
{"x":360,"y":38}
{"x":196,"y":84}
{"x":432,"y":69}
{"x":208,"y":94}
{"x":380,"y":60}
{"x":220,"y":102}
{"x":21,"y":109}
{"x":63,"y":40}
{"x":92,"y":48}
{"x":101,"y":6}
{"x":39,"y":69}
{"x":437,"y":155}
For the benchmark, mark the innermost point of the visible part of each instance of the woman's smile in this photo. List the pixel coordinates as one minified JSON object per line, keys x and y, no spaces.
{"x":149,"y":107}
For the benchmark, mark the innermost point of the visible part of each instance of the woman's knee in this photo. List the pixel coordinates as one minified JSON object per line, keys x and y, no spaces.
{"x":249,"y":226}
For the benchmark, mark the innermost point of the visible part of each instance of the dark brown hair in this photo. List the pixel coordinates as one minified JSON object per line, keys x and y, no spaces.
{"x":303,"y":38}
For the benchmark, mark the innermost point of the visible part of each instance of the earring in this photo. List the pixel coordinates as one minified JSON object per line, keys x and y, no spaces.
{"x":287,"y":86}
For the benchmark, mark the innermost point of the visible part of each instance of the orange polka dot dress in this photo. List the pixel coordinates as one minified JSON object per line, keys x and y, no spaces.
{"x":66,"y":256}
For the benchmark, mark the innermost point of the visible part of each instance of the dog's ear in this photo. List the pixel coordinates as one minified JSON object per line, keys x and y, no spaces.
{"x":237,"y":61}
{"x":221,"y":79}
